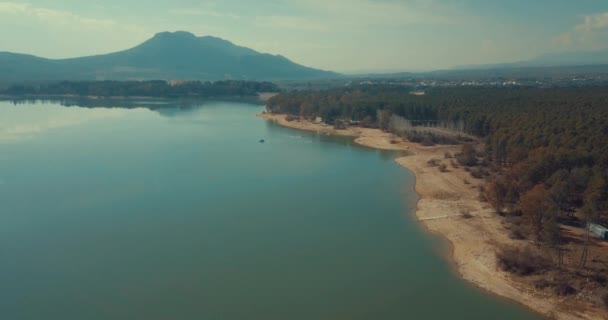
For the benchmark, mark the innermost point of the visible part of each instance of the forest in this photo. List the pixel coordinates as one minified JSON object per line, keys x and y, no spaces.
{"x":159,"y":88}
{"x":556,"y":138}
{"x":543,"y":152}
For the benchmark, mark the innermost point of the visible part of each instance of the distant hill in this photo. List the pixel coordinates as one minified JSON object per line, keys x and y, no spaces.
{"x":584,"y":58}
{"x":497,"y":72}
{"x":537,"y":73}
{"x":553,"y":65}
{"x":560,"y":59}
{"x":177,"y":55}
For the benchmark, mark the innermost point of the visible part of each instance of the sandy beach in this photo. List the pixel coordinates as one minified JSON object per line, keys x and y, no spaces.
{"x":443,"y":198}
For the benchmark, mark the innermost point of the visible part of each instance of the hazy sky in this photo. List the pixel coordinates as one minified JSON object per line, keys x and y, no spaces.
{"x":340,"y":35}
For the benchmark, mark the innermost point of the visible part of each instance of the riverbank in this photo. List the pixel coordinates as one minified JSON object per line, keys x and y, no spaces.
{"x":448,"y":206}
{"x":254,"y":98}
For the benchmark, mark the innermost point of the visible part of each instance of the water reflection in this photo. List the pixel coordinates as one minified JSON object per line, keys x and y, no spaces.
{"x":26,"y":122}
{"x":30,"y":118}
{"x":164,"y":105}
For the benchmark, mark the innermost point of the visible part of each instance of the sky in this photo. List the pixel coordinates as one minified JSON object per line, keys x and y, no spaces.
{"x":338,"y":35}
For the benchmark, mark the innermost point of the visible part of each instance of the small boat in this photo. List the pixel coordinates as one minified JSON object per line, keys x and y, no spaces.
{"x":262,"y":141}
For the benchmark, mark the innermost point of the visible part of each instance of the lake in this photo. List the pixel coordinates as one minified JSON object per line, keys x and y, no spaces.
{"x":180,"y":213}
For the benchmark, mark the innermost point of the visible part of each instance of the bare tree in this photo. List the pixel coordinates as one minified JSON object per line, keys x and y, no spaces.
{"x":399,"y":126}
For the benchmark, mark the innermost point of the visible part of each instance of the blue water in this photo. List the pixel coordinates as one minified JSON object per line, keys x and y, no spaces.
{"x":111,"y":213}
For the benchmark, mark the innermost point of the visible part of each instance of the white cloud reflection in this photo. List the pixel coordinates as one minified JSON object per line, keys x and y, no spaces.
{"x":23,"y":122}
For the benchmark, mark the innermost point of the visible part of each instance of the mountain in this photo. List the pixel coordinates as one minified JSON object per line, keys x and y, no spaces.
{"x":558,"y":59}
{"x":580,"y":58}
{"x":167,"y":55}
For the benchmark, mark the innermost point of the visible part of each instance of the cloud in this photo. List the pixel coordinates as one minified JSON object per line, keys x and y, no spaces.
{"x":31,"y":122}
{"x":203,"y":12}
{"x":57,"y":33}
{"x":593,"y":22}
{"x":384,"y":12}
{"x":58,"y":18}
{"x":346,"y":16}
{"x":592,"y":33}
{"x":290,"y":22}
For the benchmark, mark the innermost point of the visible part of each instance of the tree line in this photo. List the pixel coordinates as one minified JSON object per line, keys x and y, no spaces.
{"x":157,"y":88}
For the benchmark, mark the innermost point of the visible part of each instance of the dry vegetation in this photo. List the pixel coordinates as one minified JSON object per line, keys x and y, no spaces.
{"x":546,"y":252}
{"x":522,"y":261}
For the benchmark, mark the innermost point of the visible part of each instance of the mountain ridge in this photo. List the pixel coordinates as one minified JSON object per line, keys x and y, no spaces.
{"x":167,"y":55}
{"x":551,"y":59}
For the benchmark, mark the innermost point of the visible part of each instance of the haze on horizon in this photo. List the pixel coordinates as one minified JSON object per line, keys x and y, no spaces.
{"x":338,"y":35}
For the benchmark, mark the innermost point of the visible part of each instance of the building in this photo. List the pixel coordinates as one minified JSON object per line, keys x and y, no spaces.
{"x":174,"y":83}
{"x":598,"y":230}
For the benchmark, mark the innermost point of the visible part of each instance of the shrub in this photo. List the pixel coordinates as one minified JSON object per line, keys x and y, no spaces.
{"x":426,"y":138}
{"x":467,"y":157}
{"x":368,"y":122}
{"x":485,"y":162}
{"x":427,"y":142}
{"x":516,"y":233}
{"x":448,"y":155}
{"x":543,"y":284}
{"x":466,"y":215}
{"x":605,"y":299}
{"x":599,"y":278}
{"x":522,"y":262}
{"x":433,"y":162}
{"x":477,"y":173}
{"x":443,"y":168}
{"x":291,"y":118}
{"x":564,"y":289}
{"x":482,"y":193}
{"x":340,"y":125}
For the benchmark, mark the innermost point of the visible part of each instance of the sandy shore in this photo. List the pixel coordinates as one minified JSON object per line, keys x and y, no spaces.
{"x":443,"y":197}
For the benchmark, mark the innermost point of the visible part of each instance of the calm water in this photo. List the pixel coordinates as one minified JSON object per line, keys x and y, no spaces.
{"x":183,"y":214}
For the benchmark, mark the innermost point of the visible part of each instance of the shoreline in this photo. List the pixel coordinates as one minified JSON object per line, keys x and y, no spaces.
{"x":261,"y":97}
{"x":442,"y":199}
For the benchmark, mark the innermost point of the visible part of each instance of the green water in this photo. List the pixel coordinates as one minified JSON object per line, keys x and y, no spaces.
{"x":183,"y":214}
